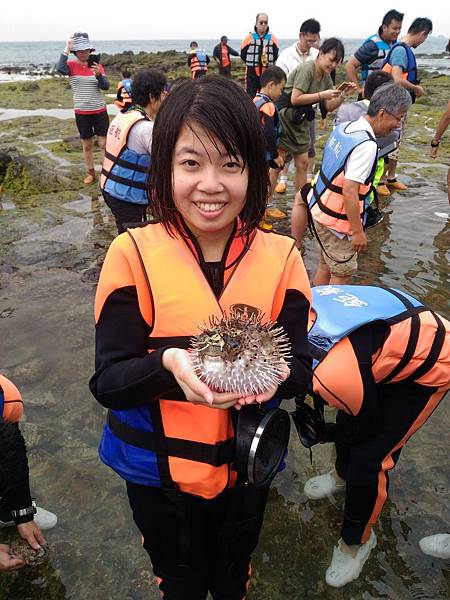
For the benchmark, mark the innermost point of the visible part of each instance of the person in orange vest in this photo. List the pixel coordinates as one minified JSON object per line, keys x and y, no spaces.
{"x":16,"y":505}
{"x":124,"y":91}
{"x":395,"y":353}
{"x":203,"y":256}
{"x":126,"y":166}
{"x":259,"y":50}
{"x":197,"y":61}
{"x":341,"y":192}
{"x":221,"y":55}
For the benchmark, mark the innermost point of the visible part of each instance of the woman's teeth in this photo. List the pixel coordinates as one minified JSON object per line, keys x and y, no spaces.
{"x":208,"y":207}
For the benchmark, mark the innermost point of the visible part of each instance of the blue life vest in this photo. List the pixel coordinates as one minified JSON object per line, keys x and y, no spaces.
{"x":259,"y":101}
{"x":338,"y":148}
{"x":411,"y":72}
{"x":127,"y":83}
{"x":201,"y":57}
{"x":342,"y":309}
{"x":124,"y":171}
{"x":383,"y":48}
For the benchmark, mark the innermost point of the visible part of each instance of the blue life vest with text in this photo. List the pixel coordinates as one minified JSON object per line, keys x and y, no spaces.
{"x":383,"y":48}
{"x":124,"y":171}
{"x":342,"y":309}
{"x":326,"y":197}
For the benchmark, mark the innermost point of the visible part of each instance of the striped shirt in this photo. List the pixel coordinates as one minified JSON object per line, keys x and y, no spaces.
{"x":85,"y":87}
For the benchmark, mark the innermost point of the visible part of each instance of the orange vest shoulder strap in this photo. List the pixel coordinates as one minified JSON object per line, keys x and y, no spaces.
{"x":12,"y":403}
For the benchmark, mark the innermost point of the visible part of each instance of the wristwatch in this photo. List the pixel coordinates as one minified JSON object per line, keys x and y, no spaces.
{"x":23,"y":512}
{"x":434,"y":144}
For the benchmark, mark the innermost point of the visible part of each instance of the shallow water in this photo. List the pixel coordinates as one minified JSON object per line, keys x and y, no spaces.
{"x":50,"y":256}
{"x":6,"y":114}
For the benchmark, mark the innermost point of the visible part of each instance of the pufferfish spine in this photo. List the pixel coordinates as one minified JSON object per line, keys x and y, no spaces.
{"x":240,"y":354}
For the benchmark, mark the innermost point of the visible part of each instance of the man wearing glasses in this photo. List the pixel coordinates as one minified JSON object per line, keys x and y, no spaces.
{"x":259,"y":50}
{"x":304,"y":50}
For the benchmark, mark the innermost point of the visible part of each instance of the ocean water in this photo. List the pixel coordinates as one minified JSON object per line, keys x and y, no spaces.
{"x":45,"y":53}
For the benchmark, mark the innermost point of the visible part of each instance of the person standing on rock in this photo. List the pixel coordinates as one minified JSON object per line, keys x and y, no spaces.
{"x":259,"y":50}
{"x":87,"y":77}
{"x":221,"y":55}
{"x":126,"y":166}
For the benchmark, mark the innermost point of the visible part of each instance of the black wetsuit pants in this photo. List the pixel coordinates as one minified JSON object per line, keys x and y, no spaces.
{"x":252,"y":82}
{"x":199,"y":545}
{"x":365,"y":466}
{"x":125,"y":213}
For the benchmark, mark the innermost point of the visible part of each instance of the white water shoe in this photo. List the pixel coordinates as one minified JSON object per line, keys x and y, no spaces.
{"x":345,"y":568}
{"x":322,"y":486}
{"x":44,"y":519}
{"x":437,"y":545}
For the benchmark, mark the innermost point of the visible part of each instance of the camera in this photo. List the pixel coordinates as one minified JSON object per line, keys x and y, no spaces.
{"x":93,"y":58}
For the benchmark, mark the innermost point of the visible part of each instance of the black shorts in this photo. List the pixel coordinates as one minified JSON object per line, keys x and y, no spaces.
{"x":92,"y":124}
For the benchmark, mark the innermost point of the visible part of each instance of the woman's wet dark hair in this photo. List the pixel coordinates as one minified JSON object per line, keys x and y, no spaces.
{"x":333,"y":44}
{"x":224,"y":110}
{"x":147,"y":82}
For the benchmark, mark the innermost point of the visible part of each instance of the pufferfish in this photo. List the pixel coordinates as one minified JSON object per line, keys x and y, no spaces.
{"x":239,"y":353}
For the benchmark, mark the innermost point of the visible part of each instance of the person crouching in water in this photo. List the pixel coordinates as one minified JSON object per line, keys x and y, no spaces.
{"x":202,"y":255}
{"x":395,"y":353}
{"x":273,"y":81}
{"x":16,"y":505}
{"x":125,"y":170}
{"x":341,"y":191}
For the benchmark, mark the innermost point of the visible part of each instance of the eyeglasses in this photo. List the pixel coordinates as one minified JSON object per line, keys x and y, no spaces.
{"x":398,"y":119}
{"x":262,"y":22}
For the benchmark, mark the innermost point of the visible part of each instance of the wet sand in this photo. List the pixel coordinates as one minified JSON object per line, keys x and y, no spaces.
{"x":51,"y":249}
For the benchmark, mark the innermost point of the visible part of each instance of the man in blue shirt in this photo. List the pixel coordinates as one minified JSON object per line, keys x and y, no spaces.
{"x":401,"y":63}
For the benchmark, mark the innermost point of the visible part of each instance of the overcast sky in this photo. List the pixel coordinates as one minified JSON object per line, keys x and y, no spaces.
{"x":45,"y":20}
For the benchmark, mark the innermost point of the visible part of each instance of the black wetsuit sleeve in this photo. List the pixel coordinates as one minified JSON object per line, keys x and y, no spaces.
{"x":367,"y":423}
{"x":103,"y":82}
{"x":367,"y":53}
{"x":16,"y":486}
{"x":275,"y":53}
{"x":126,"y":375}
{"x":232,"y":51}
{"x":244,"y":51}
{"x":208,"y":60}
{"x":294,"y":319}
{"x":217,"y":53}
{"x":61,"y":65}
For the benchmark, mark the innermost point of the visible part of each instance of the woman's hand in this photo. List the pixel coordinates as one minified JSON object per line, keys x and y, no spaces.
{"x":267,"y":395}
{"x":32,"y":534}
{"x":179,"y":363}
{"x":349,"y":89}
{"x":95,"y":68}
{"x":329,"y":94}
{"x":8,"y":562}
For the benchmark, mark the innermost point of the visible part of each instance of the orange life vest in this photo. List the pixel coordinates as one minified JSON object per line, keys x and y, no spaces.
{"x":173,"y":296}
{"x":406,"y":354}
{"x":126,"y":98}
{"x":122,"y":166}
{"x":10,"y":401}
{"x":225,"y":56}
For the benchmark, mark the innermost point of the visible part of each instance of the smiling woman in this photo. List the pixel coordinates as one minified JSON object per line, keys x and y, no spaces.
{"x":169,"y":434}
